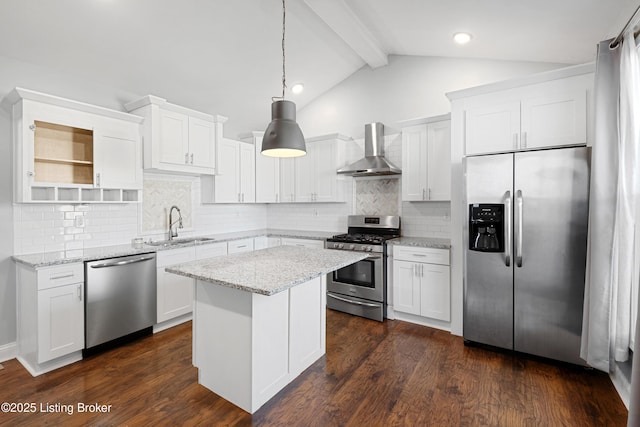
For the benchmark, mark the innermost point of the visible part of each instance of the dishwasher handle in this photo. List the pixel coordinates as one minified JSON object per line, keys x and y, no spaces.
{"x":121,"y":263}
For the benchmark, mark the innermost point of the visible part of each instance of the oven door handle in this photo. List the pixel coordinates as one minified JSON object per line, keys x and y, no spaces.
{"x":329,"y":294}
{"x":373,"y":257}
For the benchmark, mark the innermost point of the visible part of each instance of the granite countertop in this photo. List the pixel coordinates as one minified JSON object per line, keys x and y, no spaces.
{"x":268,"y":271}
{"x":423,"y":242}
{"x":46,"y":259}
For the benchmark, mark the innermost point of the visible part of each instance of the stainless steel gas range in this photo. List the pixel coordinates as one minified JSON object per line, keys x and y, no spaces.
{"x":361,"y":288}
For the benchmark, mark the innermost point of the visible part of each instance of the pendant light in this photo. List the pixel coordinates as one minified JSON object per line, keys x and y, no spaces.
{"x":283,"y":137}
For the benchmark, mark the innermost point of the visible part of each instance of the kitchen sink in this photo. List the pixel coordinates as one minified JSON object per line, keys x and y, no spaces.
{"x":180,"y":241}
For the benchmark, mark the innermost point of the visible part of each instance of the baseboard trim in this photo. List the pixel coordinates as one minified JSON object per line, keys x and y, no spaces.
{"x":8,"y":351}
{"x":424,"y":321}
{"x":158,"y":327}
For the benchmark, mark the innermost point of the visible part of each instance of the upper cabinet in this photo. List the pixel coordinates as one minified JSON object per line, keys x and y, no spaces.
{"x":531,"y":115}
{"x":316,"y":179}
{"x":234,"y":181}
{"x":315,"y":176}
{"x":426,"y":159}
{"x":309,"y":178}
{"x":68,"y":151}
{"x":178,"y":139}
{"x":267,"y":173}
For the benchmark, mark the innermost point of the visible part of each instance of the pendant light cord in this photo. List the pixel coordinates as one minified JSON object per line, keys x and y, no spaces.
{"x":284,"y":78}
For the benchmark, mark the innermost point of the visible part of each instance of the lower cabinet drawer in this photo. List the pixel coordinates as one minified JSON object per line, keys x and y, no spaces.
{"x":243,"y":245}
{"x":418,"y":254}
{"x":59,"y":275}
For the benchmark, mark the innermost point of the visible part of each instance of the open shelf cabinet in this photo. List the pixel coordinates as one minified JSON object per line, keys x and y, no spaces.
{"x":71,"y":152}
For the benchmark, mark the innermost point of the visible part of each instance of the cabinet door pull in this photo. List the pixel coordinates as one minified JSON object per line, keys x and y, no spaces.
{"x":515,"y":141}
{"x":242,"y":200}
{"x":186,"y":158}
{"x":191,"y":158}
{"x":62,"y":276}
{"x":423,"y":194}
{"x":429,"y":194}
{"x":32,"y":127}
{"x":422,"y":270}
{"x":238,"y":197}
{"x":524,"y":139}
{"x":31,"y":174}
{"x":80,"y":292}
{"x":98,"y":180}
{"x":420,"y":255}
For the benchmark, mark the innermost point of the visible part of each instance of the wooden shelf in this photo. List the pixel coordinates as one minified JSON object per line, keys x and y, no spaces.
{"x":62,"y":161}
{"x":63,"y":154}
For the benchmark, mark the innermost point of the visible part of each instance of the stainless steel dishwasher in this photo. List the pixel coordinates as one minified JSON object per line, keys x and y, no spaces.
{"x":120,"y":299}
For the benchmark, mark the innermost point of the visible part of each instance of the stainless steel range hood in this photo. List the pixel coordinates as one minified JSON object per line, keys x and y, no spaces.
{"x":373,"y":163}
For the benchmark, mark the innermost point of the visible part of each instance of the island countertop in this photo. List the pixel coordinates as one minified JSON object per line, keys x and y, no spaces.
{"x":268,"y":271}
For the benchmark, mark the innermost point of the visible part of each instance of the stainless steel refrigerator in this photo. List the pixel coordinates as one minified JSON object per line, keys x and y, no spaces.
{"x":526,"y":244}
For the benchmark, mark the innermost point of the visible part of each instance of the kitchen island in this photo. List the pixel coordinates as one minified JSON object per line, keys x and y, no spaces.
{"x":259,"y":318}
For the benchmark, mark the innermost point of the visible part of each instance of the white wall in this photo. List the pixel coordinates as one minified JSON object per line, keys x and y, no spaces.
{"x":7,"y":272}
{"x":409,"y":87}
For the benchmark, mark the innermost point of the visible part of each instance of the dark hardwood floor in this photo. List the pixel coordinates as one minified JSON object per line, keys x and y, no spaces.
{"x":374,"y":374}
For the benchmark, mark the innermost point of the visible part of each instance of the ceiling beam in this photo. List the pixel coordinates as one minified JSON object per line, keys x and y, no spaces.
{"x":344,"y":22}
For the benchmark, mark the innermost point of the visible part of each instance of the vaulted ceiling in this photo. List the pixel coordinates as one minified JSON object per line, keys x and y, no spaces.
{"x":224,"y":57}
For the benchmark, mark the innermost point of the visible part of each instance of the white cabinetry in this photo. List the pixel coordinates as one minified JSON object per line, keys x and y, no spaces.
{"x":316,"y":179}
{"x":68,"y":151}
{"x":211,"y":250}
{"x":426,"y":159}
{"x":267,"y":175}
{"x":60,"y":318}
{"x":175,"y":293}
{"x":50,"y":316}
{"x":178,"y":139}
{"x":546,"y":114}
{"x":118,"y":155}
{"x":287,"y":180}
{"x":421,"y":284}
{"x":260,"y":242}
{"x":235,"y":179}
{"x":307,"y":243}
{"x":272,"y":242}
{"x":309,"y":178}
{"x":248,"y":354}
{"x":241,"y":245}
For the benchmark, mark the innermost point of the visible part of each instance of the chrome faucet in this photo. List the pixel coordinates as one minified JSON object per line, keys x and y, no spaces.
{"x":173,"y":233}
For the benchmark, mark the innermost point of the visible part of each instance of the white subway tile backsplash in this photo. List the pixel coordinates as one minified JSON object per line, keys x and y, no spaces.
{"x":426,"y":219}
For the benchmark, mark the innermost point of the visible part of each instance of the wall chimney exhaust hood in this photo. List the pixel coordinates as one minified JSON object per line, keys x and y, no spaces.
{"x":373,"y":163}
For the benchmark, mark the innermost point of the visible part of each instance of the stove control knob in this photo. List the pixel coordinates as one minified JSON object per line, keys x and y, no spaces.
{"x":352,"y":247}
{"x":369,"y":248}
{"x":335,"y":245}
{"x":340,"y":245}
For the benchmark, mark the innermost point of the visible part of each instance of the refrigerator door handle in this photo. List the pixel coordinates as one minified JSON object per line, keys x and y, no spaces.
{"x":519,"y":202}
{"x":508,"y":242}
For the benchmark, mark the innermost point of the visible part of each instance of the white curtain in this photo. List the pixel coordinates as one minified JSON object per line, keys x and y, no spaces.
{"x":611,"y":261}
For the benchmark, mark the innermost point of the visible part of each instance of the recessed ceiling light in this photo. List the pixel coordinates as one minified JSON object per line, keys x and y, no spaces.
{"x":462,"y":38}
{"x":297,"y":88}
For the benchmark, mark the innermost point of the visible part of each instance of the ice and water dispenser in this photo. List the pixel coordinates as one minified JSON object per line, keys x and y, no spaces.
{"x":486,"y":227}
